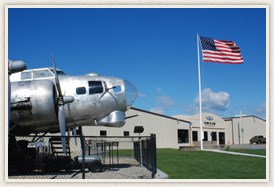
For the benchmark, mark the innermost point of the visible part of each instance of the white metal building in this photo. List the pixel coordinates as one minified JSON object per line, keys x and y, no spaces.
{"x":240,"y":129}
{"x":182,"y":131}
{"x":214,"y":129}
{"x":166,"y":128}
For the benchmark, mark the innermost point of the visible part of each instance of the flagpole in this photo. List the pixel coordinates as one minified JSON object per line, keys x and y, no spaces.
{"x":241,"y":115}
{"x":200,"y":96}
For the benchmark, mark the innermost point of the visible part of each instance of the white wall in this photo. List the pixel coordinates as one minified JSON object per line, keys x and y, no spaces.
{"x":165,"y":128}
{"x":211,"y":123}
{"x":241,"y":131}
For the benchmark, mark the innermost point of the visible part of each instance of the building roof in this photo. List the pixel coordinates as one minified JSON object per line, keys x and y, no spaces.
{"x":179,"y":117}
{"x":206,"y":116}
{"x":245,"y":116}
{"x":184,"y":117}
{"x":161,"y":115}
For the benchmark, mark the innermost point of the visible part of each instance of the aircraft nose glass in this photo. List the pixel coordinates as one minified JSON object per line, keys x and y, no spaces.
{"x":131,"y":93}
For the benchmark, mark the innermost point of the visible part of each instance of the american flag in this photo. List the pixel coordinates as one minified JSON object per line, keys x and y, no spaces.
{"x":221,"y":51}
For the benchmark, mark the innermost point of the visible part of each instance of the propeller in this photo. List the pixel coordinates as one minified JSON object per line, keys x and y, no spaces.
{"x":74,"y":133}
{"x":57,"y":83}
{"x":62,"y":100}
{"x":62,"y":126}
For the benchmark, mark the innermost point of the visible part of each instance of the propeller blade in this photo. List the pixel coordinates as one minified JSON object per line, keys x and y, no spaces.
{"x":68,"y":132}
{"x":74,"y":134}
{"x":62,"y":125}
{"x":57,"y":83}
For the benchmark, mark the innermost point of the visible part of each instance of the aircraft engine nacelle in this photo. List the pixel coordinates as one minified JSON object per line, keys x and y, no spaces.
{"x":33,"y":105}
{"x":114,"y":119}
{"x":16,"y":66}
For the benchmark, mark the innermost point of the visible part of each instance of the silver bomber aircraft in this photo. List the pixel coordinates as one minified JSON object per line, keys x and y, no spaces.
{"x":47,"y":100}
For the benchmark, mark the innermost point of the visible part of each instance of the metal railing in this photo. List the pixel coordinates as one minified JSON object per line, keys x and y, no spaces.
{"x":93,"y":157}
{"x":145,"y":153}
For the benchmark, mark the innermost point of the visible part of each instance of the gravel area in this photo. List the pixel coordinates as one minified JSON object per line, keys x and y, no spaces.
{"x":133,"y":172}
{"x":127,"y":169}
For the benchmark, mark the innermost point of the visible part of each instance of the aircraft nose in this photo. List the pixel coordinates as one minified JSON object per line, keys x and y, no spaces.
{"x":131,"y":93}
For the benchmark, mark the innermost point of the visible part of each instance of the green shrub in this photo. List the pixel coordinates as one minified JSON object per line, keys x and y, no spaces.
{"x":227,"y":148}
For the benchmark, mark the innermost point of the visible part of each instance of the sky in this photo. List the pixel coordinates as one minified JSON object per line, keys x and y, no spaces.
{"x":153,"y":48}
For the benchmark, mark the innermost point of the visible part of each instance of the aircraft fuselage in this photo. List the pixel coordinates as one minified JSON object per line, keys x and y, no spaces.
{"x":96,"y":100}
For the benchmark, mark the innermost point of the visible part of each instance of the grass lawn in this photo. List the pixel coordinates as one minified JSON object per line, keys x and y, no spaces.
{"x":126,"y":152}
{"x":250,"y":151}
{"x":209,"y":165}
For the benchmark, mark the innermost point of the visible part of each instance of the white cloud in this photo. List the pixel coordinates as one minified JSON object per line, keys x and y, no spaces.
{"x":164,"y":101}
{"x":162,"y":104}
{"x":213,"y":101}
{"x":260,"y":111}
{"x":158,"y":89}
{"x":158,"y":110}
{"x":139,"y":94}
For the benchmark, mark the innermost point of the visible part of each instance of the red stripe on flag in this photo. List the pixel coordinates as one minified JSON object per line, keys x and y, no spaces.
{"x":221,"y":53}
{"x":223,"y":62}
{"x":226,"y":52}
{"x":223,"y":58}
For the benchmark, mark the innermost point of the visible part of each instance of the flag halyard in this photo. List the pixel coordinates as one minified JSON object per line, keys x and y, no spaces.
{"x":220,"y":51}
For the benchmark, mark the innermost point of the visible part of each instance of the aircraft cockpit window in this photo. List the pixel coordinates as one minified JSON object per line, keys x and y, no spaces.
{"x":42,"y":74}
{"x":59,"y":73}
{"x":80,"y":90}
{"x":117,"y":89}
{"x":26,"y":75}
{"x":95,"y":87}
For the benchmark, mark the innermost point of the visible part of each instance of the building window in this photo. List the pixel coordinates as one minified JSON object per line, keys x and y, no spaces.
{"x":213,"y":136}
{"x":126,"y":133}
{"x":80,"y":90}
{"x":182,"y":136}
{"x":194,"y":136}
{"x":95,"y":87}
{"x":205,"y":136}
{"x":103,"y":133}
